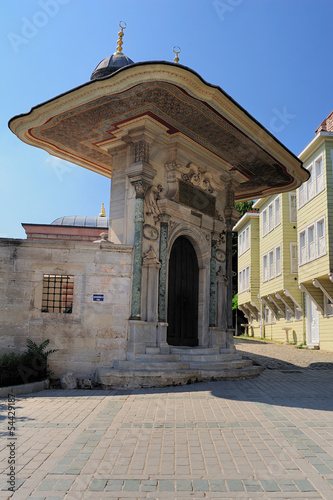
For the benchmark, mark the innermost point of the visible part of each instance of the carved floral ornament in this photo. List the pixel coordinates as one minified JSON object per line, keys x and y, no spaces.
{"x":198,"y":177}
{"x":191,"y":174}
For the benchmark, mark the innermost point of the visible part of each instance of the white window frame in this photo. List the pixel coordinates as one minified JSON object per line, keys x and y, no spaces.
{"x":265,"y":268}
{"x":247,"y":278}
{"x":247,"y":238}
{"x":302,"y":248}
{"x":302,"y":195}
{"x":264,"y":222}
{"x":244,"y":241}
{"x":277,"y":209}
{"x":292,"y":209}
{"x":310,"y":184}
{"x":293,"y":259}
{"x":271,"y":274}
{"x":240,"y":243}
{"x":311,"y":243}
{"x":240,"y":281}
{"x":315,"y":248}
{"x":244,"y":279}
{"x":319,"y":174}
{"x":277,"y":261}
{"x":270,"y":217}
{"x":320,"y":239}
{"x":315,"y":184}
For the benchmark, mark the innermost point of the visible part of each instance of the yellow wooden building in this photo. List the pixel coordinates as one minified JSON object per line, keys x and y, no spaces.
{"x":285,"y":252}
{"x":315,"y":237}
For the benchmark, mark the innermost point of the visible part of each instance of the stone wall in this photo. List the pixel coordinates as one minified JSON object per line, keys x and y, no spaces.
{"x":95,"y":333}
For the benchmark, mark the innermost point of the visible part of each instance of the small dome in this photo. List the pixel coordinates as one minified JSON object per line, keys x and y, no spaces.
{"x":110,"y":64}
{"x":82,"y":221}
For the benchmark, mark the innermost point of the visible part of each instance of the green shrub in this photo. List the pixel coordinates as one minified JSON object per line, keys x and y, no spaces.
{"x":29,"y":366}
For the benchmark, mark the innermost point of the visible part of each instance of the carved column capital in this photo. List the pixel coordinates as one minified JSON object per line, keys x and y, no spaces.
{"x":140,"y":187}
{"x":164,"y":218}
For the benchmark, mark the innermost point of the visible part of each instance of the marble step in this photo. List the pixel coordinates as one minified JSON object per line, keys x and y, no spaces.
{"x":150,"y":365}
{"x":240,"y":373}
{"x":228,"y":365}
{"x":158,"y":357}
{"x":113,"y":378}
{"x":210,"y":357}
{"x":197,"y":351}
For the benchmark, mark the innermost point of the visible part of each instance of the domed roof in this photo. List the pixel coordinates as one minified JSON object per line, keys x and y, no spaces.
{"x":82,"y":221}
{"x":110,"y":64}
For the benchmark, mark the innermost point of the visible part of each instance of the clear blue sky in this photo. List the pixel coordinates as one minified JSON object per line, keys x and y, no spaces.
{"x":274,"y":57}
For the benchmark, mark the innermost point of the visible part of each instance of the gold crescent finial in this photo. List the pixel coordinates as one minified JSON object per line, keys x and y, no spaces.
{"x":122,"y":26}
{"x":102,"y":214}
{"x":176,"y":59}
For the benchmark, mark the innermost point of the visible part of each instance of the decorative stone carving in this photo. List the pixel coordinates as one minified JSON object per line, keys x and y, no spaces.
{"x":221,"y":277}
{"x":152,"y":195}
{"x":220,"y":217}
{"x":149,"y":259}
{"x":171,"y":179}
{"x":221,"y":239}
{"x":230,"y":201}
{"x":220,"y":255}
{"x":173,"y":224}
{"x":150,"y":232}
{"x":198,"y":177}
{"x":140,"y":188}
{"x":141,"y":151}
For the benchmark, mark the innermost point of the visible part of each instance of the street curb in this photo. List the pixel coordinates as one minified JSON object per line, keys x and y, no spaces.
{"x":24,"y":388}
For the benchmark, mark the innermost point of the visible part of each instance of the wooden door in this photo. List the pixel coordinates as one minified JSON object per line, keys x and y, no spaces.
{"x":183,"y":294}
{"x":312,"y":322}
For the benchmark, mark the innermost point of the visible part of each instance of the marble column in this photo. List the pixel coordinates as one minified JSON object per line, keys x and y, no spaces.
{"x":229,"y":276}
{"x":222,"y":285}
{"x":140,"y":189}
{"x":212,"y":291}
{"x":164,"y":225}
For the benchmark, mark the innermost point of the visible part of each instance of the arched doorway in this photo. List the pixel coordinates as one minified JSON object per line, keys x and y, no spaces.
{"x":183,"y":294}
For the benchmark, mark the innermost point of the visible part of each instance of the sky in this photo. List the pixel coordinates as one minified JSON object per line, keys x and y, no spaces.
{"x":274,"y":57}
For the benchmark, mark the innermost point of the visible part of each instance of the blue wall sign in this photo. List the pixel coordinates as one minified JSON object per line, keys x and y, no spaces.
{"x":98,"y":297}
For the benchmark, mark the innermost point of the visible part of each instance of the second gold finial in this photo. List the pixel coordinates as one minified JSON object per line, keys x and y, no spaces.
{"x":177,"y":51}
{"x":102,"y":214}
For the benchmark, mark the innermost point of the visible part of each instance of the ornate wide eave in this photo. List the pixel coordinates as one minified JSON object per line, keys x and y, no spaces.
{"x":83,"y":125}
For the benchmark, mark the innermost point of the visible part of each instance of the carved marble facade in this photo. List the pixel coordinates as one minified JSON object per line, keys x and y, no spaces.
{"x":155,"y":199}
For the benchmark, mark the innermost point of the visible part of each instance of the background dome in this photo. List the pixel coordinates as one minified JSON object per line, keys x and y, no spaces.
{"x":82,"y":221}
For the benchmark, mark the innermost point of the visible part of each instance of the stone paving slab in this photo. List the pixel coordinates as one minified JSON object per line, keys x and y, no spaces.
{"x":269,"y":437}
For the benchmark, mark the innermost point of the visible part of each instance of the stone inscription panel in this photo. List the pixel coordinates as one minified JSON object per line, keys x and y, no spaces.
{"x":196,"y":199}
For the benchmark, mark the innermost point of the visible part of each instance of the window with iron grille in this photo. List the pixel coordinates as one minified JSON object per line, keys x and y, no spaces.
{"x":57,"y":293}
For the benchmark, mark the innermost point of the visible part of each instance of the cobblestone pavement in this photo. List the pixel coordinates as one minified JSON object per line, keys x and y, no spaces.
{"x":276,"y":356}
{"x":270,"y":437}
